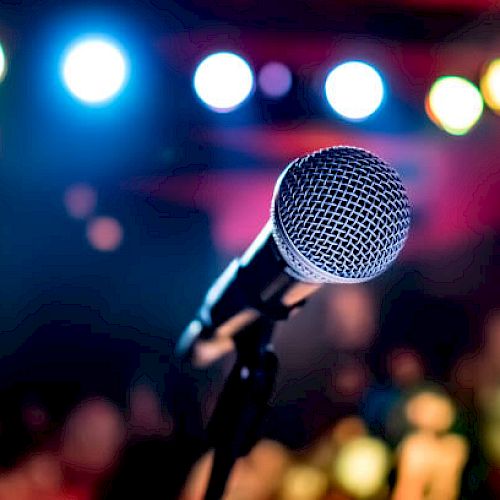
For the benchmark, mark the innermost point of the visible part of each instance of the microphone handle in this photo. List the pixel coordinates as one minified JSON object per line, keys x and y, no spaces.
{"x":257,"y":284}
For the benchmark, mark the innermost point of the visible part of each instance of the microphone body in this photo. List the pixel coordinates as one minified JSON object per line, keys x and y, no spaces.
{"x":258,"y":283}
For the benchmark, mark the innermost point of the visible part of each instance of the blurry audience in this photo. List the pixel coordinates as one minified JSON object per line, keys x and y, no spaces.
{"x":254,"y":477}
{"x":78,"y":423}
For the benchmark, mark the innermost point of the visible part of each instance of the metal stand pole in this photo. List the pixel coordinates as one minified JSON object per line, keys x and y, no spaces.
{"x":234,"y":427}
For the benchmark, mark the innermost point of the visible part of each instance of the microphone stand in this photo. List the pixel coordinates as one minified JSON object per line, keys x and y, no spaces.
{"x":235,"y":424}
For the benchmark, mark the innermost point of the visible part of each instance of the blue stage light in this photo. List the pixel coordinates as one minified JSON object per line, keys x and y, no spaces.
{"x":354,"y":90}
{"x":94,"y":70}
{"x":223,"y":81}
{"x":3,"y":64}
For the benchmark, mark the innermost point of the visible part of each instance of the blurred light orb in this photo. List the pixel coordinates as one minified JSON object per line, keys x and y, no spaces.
{"x":491,"y":405}
{"x":223,"y":81}
{"x":3,"y":64}
{"x":44,"y":473}
{"x":362,"y":466}
{"x":351,"y":311}
{"x":346,"y":429}
{"x":80,"y":200}
{"x":354,"y":90}
{"x":93,"y":435}
{"x":94,"y":70}
{"x":275,"y":79}
{"x":35,"y":417}
{"x":454,"y":104}
{"x":350,"y":380}
{"x":490,"y":85}
{"x":104,"y":233}
{"x":430,"y":411}
{"x":304,"y":482}
{"x":405,"y":367}
{"x":490,"y":439}
{"x":147,"y":417}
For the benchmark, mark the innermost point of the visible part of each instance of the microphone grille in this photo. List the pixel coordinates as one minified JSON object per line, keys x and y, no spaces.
{"x":340,"y":214}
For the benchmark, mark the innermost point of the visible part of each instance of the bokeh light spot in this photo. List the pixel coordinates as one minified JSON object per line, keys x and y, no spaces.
{"x":3,"y":64}
{"x":354,"y":90}
{"x":105,"y":233}
{"x":304,"y":482}
{"x":347,"y":429}
{"x":362,"y":466}
{"x":351,"y":312}
{"x":94,"y":70}
{"x":430,"y":411}
{"x":223,"y":81}
{"x":454,"y":104}
{"x":93,"y":435}
{"x":405,"y":367}
{"x":275,"y":79}
{"x":490,"y":85}
{"x":80,"y":200}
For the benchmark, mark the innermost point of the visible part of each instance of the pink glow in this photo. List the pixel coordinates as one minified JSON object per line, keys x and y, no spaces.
{"x":80,"y":200}
{"x":452,"y":188}
{"x":105,"y":233}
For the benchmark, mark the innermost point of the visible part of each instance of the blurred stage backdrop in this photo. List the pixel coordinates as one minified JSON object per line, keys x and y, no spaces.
{"x":140,"y":142}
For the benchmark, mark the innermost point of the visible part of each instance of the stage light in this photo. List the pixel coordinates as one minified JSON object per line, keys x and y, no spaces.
{"x":3,"y":64}
{"x":490,"y":85}
{"x":354,"y":90}
{"x":275,"y":79}
{"x":454,"y":104}
{"x":362,"y":466}
{"x":94,"y":70}
{"x":223,"y":81}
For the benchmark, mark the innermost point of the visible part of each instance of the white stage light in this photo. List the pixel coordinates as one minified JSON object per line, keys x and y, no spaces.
{"x":354,"y":90}
{"x":94,"y":70}
{"x":223,"y":81}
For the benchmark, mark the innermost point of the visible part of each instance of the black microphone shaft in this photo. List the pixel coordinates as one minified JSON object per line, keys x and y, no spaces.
{"x":258,"y":283}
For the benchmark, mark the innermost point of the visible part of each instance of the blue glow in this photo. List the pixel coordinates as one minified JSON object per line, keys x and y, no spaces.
{"x":3,"y":64}
{"x":354,"y":90}
{"x":223,"y":81}
{"x":95,"y":70}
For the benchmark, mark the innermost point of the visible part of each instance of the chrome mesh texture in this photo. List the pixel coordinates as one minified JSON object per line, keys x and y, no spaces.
{"x":339,"y":215}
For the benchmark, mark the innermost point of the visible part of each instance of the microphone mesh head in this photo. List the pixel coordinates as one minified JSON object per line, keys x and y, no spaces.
{"x":339,"y":215}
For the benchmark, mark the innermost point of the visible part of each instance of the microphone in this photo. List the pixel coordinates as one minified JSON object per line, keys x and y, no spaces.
{"x":338,"y":215}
